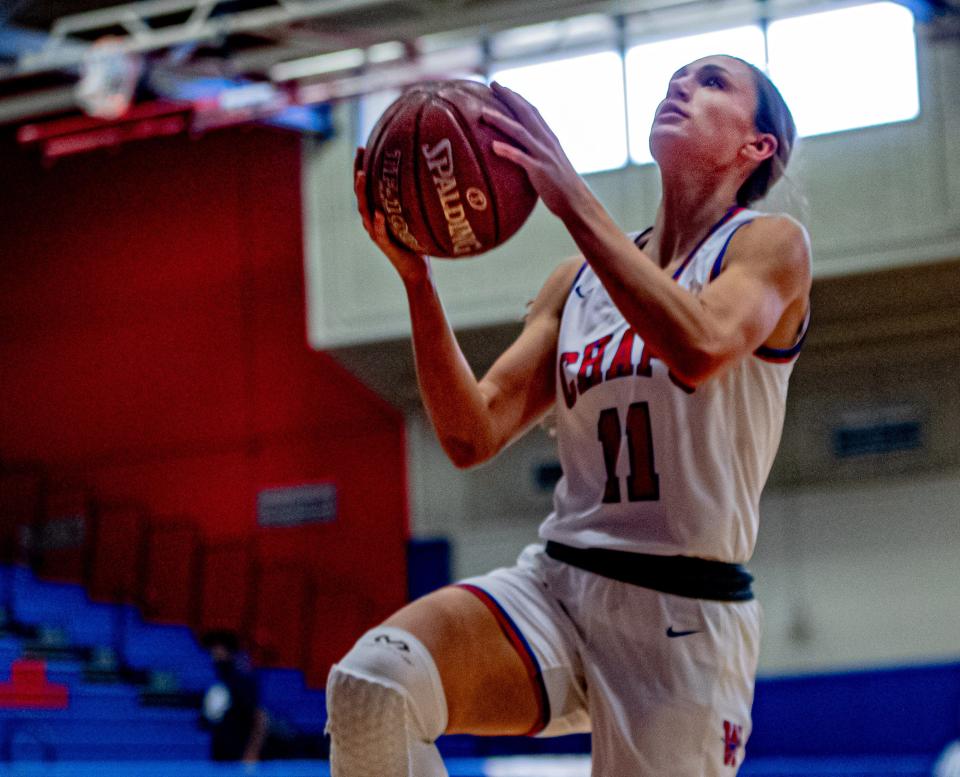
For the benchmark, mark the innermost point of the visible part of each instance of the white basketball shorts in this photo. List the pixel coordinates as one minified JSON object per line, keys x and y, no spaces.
{"x":664,"y":682}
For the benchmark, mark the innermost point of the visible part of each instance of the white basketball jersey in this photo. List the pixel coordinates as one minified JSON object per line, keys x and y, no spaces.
{"x":650,"y":465}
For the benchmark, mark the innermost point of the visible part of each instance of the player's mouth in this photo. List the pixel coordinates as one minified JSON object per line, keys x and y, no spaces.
{"x":668,"y":110}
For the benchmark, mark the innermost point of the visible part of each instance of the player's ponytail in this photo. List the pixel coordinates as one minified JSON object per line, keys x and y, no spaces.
{"x":772,"y":116}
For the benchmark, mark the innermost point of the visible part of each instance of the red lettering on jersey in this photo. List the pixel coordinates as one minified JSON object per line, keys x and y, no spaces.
{"x":569,"y":388}
{"x":590,"y":368}
{"x":622,"y":364}
{"x":643,"y":368}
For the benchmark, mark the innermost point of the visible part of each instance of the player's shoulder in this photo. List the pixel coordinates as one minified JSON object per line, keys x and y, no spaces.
{"x":773,"y":239}
{"x":778,"y":229}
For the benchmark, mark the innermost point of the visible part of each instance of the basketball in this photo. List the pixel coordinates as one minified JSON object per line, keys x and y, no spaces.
{"x":431,"y":170}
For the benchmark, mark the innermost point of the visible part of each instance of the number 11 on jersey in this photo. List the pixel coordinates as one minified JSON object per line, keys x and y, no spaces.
{"x":643,"y":482}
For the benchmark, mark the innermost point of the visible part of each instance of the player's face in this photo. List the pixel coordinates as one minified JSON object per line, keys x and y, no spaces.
{"x":708,"y":113}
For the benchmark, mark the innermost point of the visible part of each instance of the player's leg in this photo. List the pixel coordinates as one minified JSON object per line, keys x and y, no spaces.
{"x":454,"y":661}
{"x":473,"y":658}
{"x":440,"y":664}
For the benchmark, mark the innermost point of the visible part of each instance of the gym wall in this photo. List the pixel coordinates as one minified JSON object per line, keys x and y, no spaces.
{"x":153,"y":348}
{"x":871,"y":198}
{"x":856,"y":555}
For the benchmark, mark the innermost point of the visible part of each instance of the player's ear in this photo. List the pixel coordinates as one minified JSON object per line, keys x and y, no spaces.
{"x":763,"y":146}
{"x":358,"y":160}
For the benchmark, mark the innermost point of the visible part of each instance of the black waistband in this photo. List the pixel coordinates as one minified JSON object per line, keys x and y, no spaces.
{"x":696,"y":578}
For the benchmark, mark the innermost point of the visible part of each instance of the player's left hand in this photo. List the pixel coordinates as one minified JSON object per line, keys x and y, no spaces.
{"x":537,"y":151}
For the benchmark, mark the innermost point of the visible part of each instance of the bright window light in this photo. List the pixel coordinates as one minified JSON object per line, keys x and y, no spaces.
{"x":369,"y":110}
{"x":853,"y":67}
{"x":581,"y":98}
{"x":649,"y":67}
{"x":533,"y":40}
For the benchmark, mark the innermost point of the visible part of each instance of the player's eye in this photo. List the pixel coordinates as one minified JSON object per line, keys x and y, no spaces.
{"x":714,"y":81}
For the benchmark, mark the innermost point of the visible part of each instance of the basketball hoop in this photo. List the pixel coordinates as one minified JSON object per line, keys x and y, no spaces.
{"x":108,"y":78}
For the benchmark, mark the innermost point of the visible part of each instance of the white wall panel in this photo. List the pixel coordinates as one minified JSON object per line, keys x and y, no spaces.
{"x":947,"y":84}
{"x":860,"y":570}
{"x":490,"y":512}
{"x":859,"y":575}
{"x":876,"y":197}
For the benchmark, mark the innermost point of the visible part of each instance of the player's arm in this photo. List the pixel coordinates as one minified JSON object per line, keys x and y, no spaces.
{"x":765,"y":284}
{"x":763,"y":289}
{"x":473,"y":419}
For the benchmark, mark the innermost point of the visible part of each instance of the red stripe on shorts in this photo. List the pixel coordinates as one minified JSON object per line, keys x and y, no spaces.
{"x":520,"y":645}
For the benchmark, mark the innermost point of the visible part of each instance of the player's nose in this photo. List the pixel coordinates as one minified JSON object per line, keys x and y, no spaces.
{"x":679,"y":89}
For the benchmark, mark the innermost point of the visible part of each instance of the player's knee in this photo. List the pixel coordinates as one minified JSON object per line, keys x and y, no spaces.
{"x":388,"y":675}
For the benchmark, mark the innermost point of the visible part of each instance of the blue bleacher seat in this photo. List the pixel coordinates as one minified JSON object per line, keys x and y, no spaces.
{"x":282,"y":691}
{"x":871,"y":723}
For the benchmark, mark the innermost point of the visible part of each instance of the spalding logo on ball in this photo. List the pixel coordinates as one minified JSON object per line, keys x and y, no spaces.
{"x":431,"y":170}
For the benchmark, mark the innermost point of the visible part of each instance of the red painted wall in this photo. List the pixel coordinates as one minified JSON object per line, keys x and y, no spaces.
{"x":153,"y":347}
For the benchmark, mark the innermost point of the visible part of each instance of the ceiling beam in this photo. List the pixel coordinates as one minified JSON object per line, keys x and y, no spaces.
{"x":17,"y":42}
{"x":143,"y":37}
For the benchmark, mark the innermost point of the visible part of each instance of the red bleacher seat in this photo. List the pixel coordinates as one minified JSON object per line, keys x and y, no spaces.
{"x":29,"y":688}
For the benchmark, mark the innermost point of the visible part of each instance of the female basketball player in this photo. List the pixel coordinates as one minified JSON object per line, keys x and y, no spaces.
{"x":667,"y":357}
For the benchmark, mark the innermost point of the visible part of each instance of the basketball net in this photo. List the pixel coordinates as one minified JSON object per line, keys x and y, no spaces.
{"x":108,"y":78}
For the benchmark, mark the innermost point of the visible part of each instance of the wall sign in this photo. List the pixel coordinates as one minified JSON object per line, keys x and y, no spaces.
{"x":297,"y":505}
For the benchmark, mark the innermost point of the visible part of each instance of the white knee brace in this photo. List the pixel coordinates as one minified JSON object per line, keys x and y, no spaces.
{"x":385,"y":708}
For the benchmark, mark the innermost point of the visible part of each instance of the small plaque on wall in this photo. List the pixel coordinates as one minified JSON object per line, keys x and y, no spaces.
{"x":297,"y":505}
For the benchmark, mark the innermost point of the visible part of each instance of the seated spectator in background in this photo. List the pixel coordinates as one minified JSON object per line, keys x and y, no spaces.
{"x":231,"y":707}
{"x":241,"y":728}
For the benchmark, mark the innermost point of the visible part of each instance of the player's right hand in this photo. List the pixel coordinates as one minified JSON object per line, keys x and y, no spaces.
{"x":410,"y":265}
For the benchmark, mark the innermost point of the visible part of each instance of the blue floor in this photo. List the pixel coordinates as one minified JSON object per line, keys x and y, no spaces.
{"x":164,"y":769}
{"x":904,"y":766}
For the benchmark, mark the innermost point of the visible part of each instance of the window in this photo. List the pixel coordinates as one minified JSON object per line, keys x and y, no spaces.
{"x":594,"y":31}
{"x":369,"y":110}
{"x":864,"y":71}
{"x":837,"y":70}
{"x":581,"y":98}
{"x":649,"y":67}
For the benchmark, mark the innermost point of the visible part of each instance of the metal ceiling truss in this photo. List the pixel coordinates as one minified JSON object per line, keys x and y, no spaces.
{"x":165,"y":33}
{"x":149,"y":28}
{"x":155,"y":25}
{"x":312,"y":51}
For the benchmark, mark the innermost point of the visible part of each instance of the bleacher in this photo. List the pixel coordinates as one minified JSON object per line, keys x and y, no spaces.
{"x":879,"y":723}
{"x":106,"y":716}
{"x":133,"y":687}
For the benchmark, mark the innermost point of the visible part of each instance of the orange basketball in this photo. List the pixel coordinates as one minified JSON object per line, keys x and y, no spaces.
{"x":431,"y":169}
